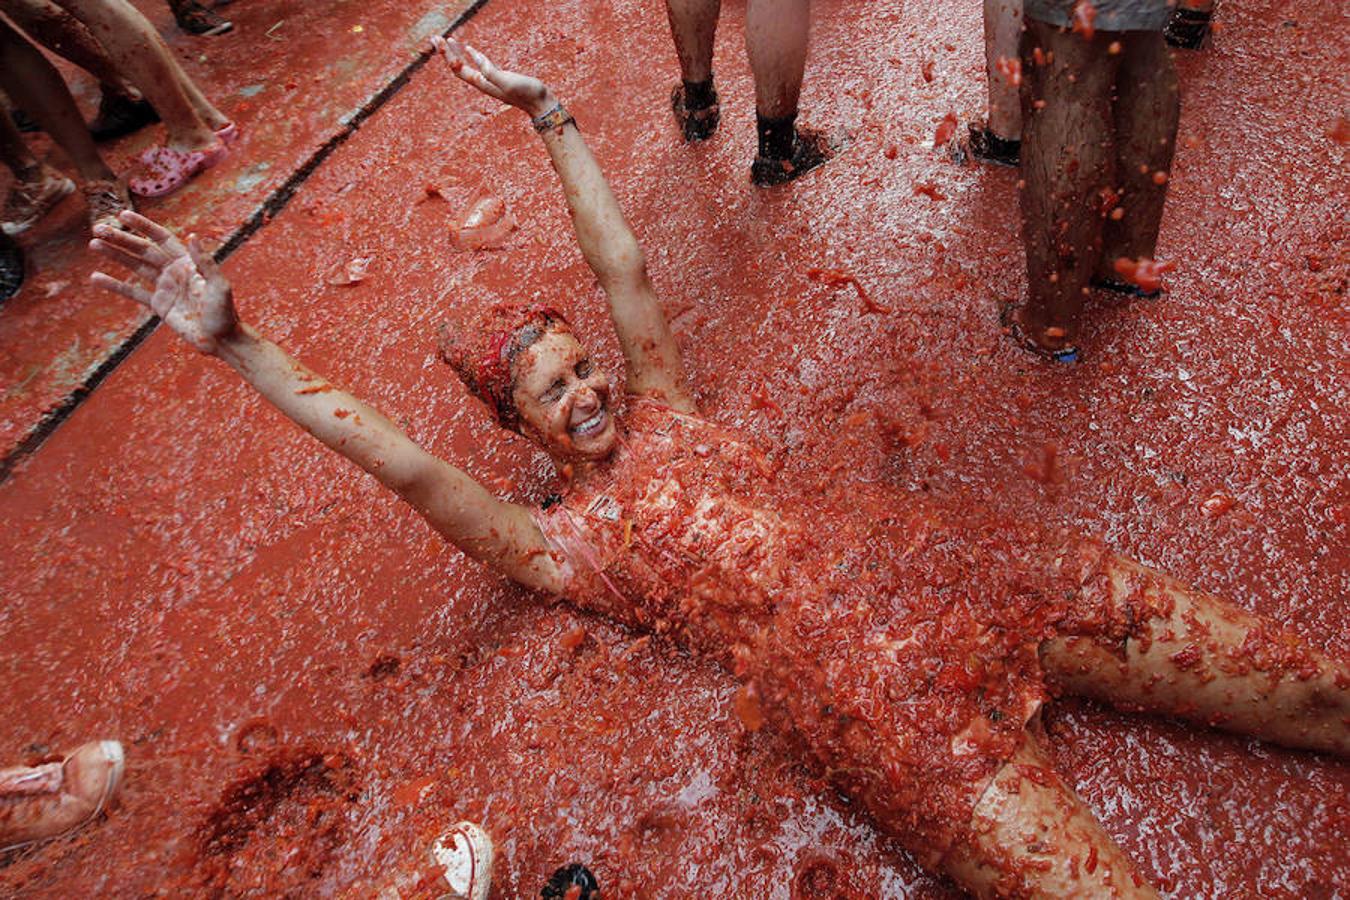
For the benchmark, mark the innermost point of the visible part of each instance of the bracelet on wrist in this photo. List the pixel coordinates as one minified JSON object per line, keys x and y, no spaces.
{"x":556,"y":117}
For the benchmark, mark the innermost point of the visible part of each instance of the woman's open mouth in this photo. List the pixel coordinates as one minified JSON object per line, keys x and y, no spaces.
{"x":592,"y":426}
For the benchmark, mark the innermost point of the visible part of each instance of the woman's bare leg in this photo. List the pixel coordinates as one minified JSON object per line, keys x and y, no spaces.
{"x":1032,"y":836}
{"x":139,"y":51}
{"x":1185,"y":653}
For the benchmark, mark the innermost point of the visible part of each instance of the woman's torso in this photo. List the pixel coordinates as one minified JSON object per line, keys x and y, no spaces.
{"x":903,"y":654}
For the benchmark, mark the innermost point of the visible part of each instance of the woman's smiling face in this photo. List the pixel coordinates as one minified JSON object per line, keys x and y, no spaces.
{"x":563,"y":399}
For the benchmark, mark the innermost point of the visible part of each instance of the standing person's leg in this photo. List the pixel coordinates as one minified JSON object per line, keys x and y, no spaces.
{"x":776,"y":36}
{"x":29,"y":79}
{"x":141,"y":54}
{"x":1032,"y":837}
{"x":36,"y":189}
{"x":693,"y":25}
{"x":14,"y":151}
{"x":121,"y":109}
{"x":1067,"y":156}
{"x":62,"y":33}
{"x":999,"y":139}
{"x":197,"y":131}
{"x":1147,"y":109}
{"x":1189,"y":654}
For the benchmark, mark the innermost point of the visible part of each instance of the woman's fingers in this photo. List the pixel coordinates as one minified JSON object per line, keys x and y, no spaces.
{"x":131,"y":245}
{"x":205,"y":262}
{"x":482,"y":62}
{"x":467,"y":64}
{"x":148,"y":227}
{"x":137,"y":264}
{"x":131,"y":291}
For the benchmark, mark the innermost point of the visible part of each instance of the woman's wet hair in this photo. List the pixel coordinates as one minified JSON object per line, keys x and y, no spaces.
{"x":483,"y":346}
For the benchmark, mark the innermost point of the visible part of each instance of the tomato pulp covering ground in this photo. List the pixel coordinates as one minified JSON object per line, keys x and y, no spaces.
{"x":310,"y":683}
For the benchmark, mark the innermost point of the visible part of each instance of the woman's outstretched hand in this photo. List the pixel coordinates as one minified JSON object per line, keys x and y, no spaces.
{"x":181,"y":284}
{"x":520,"y":91}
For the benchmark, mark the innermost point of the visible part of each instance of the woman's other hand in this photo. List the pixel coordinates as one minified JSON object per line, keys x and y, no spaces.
{"x":521,"y":91}
{"x":180,"y":284}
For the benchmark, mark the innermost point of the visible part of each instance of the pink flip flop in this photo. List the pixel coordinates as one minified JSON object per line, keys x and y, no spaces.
{"x":229,"y":133}
{"x":166,"y":169}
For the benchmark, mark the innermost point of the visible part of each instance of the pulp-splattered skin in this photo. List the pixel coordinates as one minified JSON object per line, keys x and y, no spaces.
{"x":905,"y":652}
{"x":261,"y":364}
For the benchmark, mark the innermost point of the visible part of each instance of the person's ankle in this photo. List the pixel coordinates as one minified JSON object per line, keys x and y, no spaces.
{"x":1042,"y":330}
{"x":191,"y":143}
{"x":777,"y":136}
{"x":699,"y":95}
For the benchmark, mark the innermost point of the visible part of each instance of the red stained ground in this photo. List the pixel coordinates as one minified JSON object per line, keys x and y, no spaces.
{"x":310,"y":682}
{"x":290,"y":75}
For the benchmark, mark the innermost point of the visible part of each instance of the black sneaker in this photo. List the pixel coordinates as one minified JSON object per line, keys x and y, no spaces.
{"x":574,"y":875}
{"x":811,"y":149}
{"x":1187,"y":29}
{"x":695,"y":124}
{"x":991,"y":148}
{"x":11,"y":267}
{"x":119,"y":115}
{"x":196,"y":19}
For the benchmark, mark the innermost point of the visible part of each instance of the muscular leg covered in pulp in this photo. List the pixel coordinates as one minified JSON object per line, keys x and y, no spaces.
{"x":1147,"y":108}
{"x":1002,"y":34}
{"x":1066,"y":164}
{"x":693,"y":24}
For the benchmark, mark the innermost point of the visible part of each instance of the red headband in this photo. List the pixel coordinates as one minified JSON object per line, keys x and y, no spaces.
{"x":482,"y":349}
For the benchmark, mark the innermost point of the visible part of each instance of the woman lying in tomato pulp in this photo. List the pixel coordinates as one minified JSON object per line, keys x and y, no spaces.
{"x":908,"y":656}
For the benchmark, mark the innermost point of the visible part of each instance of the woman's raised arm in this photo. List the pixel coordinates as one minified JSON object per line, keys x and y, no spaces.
{"x":183,"y":286}
{"x":610,"y":248}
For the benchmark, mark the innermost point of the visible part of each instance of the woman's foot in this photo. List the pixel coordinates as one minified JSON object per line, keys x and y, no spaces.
{"x":42,"y":802}
{"x":119,"y":115}
{"x":11,"y":267}
{"x":196,"y":19}
{"x":1056,"y":347}
{"x":991,"y":148}
{"x":164,"y":170}
{"x":106,"y":199}
{"x":697,"y":123}
{"x":811,"y":149}
{"x":32,"y":196}
{"x":572,"y":882}
{"x":228,"y":133}
{"x":464,"y":855}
